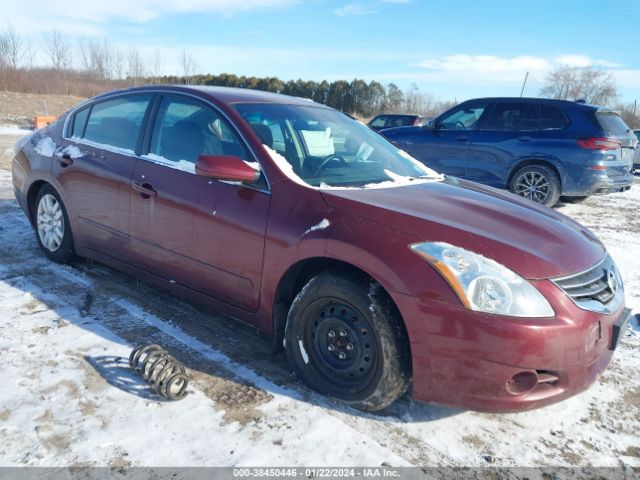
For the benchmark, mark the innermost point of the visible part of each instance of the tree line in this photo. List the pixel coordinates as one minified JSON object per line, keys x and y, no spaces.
{"x":88,"y":66}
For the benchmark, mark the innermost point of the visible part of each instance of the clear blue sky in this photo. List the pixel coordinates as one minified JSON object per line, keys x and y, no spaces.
{"x":453,"y":49}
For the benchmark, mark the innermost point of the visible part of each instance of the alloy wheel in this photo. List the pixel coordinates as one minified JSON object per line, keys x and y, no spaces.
{"x":534,"y":186}
{"x":50,"y":222}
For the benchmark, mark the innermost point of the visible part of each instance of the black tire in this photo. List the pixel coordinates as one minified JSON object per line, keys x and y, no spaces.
{"x":546,"y":191}
{"x":573,"y":199}
{"x":65,"y":252}
{"x":367,"y":330}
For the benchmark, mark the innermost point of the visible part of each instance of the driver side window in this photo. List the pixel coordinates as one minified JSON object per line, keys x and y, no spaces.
{"x":466,"y":117}
{"x":186,"y":129}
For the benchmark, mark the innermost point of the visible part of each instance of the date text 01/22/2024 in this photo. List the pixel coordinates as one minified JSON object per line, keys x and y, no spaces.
{"x":371,"y":472}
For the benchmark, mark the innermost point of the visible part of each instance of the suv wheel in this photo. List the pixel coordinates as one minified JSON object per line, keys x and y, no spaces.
{"x":537,"y":183}
{"x":344,"y":339}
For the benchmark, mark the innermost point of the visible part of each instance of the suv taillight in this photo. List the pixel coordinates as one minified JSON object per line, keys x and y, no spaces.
{"x":416,"y":121}
{"x":598,"y":143}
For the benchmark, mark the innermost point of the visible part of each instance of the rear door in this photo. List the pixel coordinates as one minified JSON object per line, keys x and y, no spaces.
{"x":204,"y":234}
{"x":510,"y":132}
{"x":445,"y":148}
{"x":94,"y":167}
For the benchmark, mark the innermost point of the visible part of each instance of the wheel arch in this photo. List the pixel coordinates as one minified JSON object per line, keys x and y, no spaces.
{"x":297,"y":276}
{"x":32,"y":194}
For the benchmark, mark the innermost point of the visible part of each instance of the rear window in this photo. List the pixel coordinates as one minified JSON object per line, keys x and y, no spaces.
{"x":552,"y":118}
{"x":79,"y":122}
{"x":612,"y":123}
{"x":378,"y":122}
{"x":117,"y":122}
{"x":400,"y":121}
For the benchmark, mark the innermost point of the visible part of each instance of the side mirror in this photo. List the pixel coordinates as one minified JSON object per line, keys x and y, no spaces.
{"x":226,"y":167}
{"x":430,"y":125}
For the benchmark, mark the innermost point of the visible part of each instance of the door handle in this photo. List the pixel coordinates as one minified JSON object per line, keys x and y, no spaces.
{"x":525,"y":139}
{"x":146,"y":190}
{"x":462,"y":138}
{"x":64,"y":159}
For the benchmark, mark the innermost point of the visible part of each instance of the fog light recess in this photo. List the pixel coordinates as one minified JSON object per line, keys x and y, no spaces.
{"x":522,"y":382}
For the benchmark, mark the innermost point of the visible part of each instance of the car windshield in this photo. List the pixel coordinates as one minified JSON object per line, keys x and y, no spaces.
{"x":325,"y":148}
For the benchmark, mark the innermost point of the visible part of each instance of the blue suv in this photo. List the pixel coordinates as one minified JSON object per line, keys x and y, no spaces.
{"x":537,"y":148}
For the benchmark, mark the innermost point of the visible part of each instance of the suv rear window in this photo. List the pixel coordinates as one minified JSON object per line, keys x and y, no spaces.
{"x":552,"y":118}
{"x":612,"y":123}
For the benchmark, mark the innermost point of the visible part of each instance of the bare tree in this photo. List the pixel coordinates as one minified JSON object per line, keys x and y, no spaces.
{"x":188,"y":66}
{"x":14,"y":47}
{"x":572,"y":83}
{"x":118,"y":63}
{"x":58,"y":49}
{"x":156,"y":65}
{"x":96,"y":57}
{"x":135,"y":65}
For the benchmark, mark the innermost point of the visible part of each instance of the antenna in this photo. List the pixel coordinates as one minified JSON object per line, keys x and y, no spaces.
{"x":524,"y":84}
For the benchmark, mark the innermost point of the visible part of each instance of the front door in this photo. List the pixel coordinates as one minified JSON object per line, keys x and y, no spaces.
{"x":201,"y":233}
{"x":445,"y":147}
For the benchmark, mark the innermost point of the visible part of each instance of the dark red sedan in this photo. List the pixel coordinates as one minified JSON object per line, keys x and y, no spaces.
{"x":375,"y":273}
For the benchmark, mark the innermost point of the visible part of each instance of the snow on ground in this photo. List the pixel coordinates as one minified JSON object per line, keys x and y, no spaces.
{"x":69,"y":399}
{"x":13,"y":130}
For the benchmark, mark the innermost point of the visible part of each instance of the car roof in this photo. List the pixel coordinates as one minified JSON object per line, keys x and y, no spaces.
{"x":223,"y":94}
{"x":537,"y":99}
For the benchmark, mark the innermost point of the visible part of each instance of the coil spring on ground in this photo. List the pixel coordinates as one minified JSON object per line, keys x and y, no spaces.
{"x":160,"y":370}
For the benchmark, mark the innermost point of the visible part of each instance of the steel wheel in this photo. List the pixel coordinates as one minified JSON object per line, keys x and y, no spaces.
{"x":50,"y":222}
{"x":534,"y":186}
{"x":344,"y":338}
{"x":344,"y":351}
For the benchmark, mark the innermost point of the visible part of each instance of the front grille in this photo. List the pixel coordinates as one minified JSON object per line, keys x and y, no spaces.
{"x":599,"y":283}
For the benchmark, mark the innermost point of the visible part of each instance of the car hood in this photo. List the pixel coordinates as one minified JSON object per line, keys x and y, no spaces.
{"x":530,"y":239}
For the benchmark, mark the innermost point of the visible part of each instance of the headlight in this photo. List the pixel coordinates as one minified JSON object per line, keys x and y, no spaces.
{"x":483,"y":284}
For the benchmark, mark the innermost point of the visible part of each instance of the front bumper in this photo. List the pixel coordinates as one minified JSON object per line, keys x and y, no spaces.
{"x":502,"y":364}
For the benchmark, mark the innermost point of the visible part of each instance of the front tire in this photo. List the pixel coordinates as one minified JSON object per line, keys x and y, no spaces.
{"x":344,"y":338}
{"x":51,"y":222}
{"x":538,"y":183}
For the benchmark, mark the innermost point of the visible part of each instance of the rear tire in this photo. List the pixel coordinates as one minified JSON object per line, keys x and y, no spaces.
{"x":344,"y":339}
{"x":51,"y":223}
{"x":537,"y":183}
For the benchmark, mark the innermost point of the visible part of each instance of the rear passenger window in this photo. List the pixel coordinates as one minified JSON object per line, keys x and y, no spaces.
{"x":552,"y":118}
{"x":514,"y":117}
{"x":378,"y":121}
{"x":79,"y":122}
{"x":117,"y":122}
